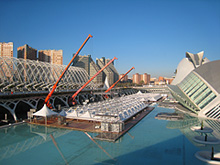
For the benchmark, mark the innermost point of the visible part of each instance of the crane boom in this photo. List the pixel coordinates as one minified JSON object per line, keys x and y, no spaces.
{"x":46,"y":101}
{"x":80,"y":89}
{"x":118,"y":80}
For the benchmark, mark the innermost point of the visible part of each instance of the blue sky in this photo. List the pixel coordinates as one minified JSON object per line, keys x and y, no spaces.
{"x":151,"y":35}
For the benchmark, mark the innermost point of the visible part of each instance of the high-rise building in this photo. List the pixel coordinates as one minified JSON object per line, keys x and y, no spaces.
{"x":137,"y":78}
{"x":89,"y":65}
{"x":110,"y":72}
{"x":112,"y":68}
{"x":106,"y":72}
{"x":92,"y":68}
{"x":144,"y":78}
{"x":124,"y":79}
{"x":148,"y":78}
{"x":51,"y":56}
{"x":83,"y":62}
{"x":27,"y":52}
{"x":6,"y":50}
{"x":44,"y":56}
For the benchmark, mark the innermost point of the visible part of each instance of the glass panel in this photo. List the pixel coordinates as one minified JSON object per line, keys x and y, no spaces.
{"x":201,"y":97}
{"x":192,"y":86}
{"x":195,"y":89}
{"x":211,"y":97}
{"x":188,"y":85}
{"x":199,"y":92}
{"x":204,"y":96}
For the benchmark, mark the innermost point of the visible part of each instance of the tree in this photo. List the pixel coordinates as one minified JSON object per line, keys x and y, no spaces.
{"x":141,"y":82}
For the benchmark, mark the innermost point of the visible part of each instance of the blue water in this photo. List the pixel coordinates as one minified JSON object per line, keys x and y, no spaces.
{"x":149,"y":142}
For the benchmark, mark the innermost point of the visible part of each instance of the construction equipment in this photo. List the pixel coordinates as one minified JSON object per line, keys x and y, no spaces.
{"x":117,"y":81}
{"x":46,"y":101}
{"x":72,"y":99}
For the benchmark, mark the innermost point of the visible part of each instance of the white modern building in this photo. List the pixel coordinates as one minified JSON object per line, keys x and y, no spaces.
{"x":197,"y":85}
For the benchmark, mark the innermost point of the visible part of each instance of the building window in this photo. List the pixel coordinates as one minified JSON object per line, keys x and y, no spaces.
{"x":197,"y":90}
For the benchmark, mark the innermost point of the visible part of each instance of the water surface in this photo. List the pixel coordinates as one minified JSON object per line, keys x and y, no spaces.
{"x":151,"y":141}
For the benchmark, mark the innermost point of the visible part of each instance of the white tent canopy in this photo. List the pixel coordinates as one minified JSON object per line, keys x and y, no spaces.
{"x":154,"y":97}
{"x":72,"y":114}
{"x":86,"y":115}
{"x":139,"y":92}
{"x":45,"y":111}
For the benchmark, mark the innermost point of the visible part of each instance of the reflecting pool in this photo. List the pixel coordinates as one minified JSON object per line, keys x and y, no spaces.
{"x":151,"y":141}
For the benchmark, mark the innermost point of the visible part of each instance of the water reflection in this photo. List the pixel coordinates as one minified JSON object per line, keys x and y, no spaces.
{"x":184,"y":122}
{"x":151,"y":141}
{"x":21,"y":138}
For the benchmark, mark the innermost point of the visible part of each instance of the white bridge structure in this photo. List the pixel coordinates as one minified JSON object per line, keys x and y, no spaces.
{"x":18,"y":75}
{"x":28,"y":82}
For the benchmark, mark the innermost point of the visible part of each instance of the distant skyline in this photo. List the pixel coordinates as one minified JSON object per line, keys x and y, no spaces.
{"x":151,"y":35}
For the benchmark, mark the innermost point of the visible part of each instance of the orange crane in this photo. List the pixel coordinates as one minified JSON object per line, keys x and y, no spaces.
{"x":46,"y":101}
{"x":72,"y":99}
{"x":117,"y":81}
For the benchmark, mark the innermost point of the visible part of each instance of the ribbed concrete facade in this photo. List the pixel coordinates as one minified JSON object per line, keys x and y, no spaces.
{"x":89,"y":65}
{"x":112,"y":68}
{"x":92,"y":68}
{"x":110,"y":72}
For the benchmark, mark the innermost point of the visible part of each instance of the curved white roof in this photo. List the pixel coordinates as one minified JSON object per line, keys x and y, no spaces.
{"x":183,"y":69}
{"x":188,"y":64}
{"x":209,"y":72}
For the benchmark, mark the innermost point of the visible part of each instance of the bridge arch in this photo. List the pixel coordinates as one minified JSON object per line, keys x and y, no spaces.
{"x":4,"y":111}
